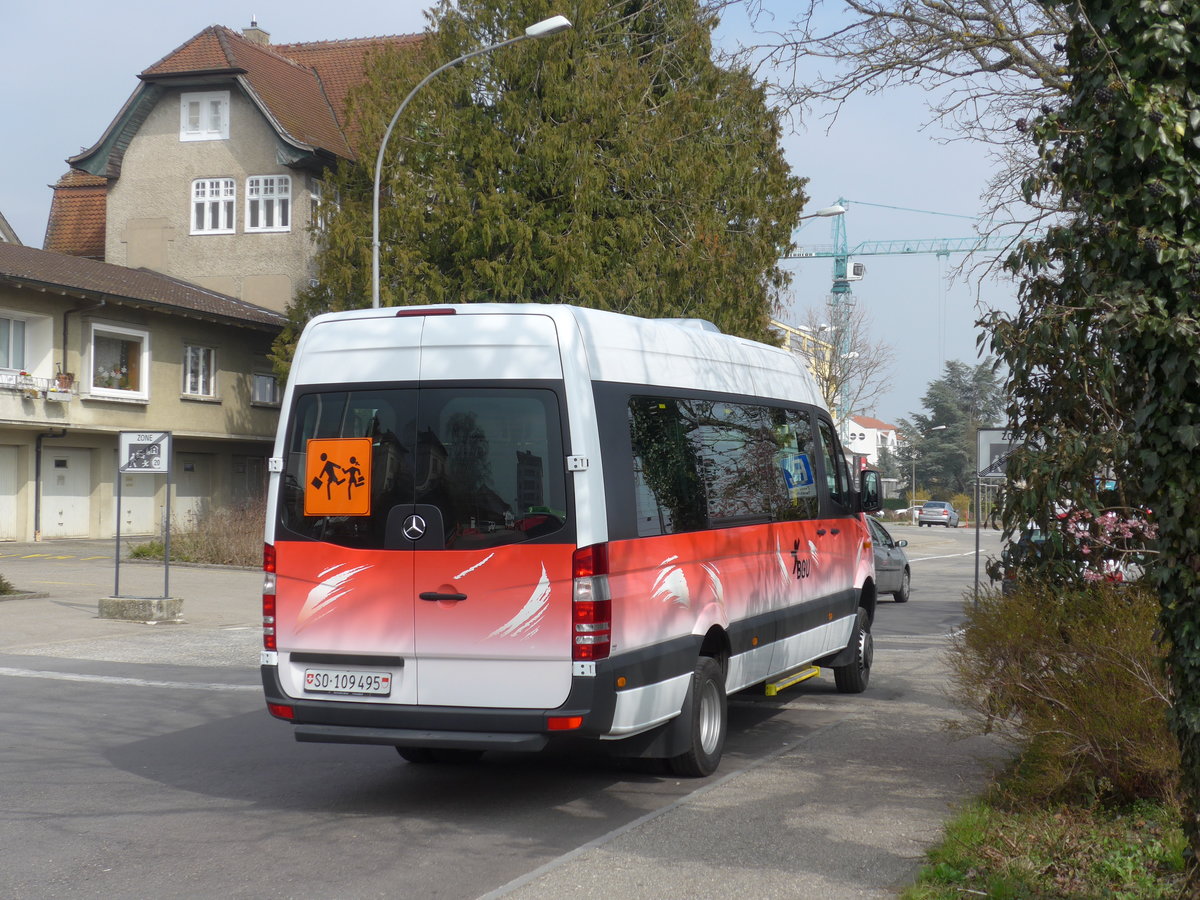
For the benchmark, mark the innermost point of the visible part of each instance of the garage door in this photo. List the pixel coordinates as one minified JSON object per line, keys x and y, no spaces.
{"x":193,"y":488}
{"x":66,"y":492}
{"x":137,"y":512}
{"x":8,"y":493}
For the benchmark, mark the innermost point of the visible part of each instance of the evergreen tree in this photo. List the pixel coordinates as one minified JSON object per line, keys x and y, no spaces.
{"x":613,"y":166}
{"x":965,"y":399}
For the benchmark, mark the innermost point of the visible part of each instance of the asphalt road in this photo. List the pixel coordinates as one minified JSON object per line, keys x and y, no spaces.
{"x":138,"y":761}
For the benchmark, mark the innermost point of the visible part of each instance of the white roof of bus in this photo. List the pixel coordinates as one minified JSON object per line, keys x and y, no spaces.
{"x":611,"y":347}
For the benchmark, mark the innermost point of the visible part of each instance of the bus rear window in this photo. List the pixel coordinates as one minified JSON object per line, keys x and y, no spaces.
{"x":488,"y":461}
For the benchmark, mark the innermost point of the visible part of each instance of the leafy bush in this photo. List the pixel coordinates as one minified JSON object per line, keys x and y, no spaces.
{"x":6,"y":586}
{"x":1075,"y":677}
{"x":227,"y":536}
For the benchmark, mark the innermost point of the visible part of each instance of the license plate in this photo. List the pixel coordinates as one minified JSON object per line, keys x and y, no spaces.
{"x":344,"y":681}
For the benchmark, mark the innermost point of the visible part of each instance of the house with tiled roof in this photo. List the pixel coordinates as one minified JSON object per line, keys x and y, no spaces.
{"x":89,"y":350}
{"x":172,"y":248}
{"x":7,"y":235}
{"x":212,"y":170}
{"x":866,"y":436}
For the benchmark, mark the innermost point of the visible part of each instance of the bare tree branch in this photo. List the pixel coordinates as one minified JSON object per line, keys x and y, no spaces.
{"x":851,"y":371}
{"x":985,"y":65}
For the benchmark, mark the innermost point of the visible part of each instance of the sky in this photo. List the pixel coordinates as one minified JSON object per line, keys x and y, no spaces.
{"x":68,"y":75}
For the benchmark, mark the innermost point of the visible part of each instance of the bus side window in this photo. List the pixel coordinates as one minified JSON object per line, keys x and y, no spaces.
{"x":795,"y":461}
{"x":834,"y":466}
{"x":670,"y":490}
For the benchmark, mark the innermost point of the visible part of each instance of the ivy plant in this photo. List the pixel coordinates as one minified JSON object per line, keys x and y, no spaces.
{"x":1104,"y":348}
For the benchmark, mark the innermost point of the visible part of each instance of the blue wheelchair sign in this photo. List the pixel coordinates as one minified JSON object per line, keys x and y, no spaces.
{"x":798,"y":473}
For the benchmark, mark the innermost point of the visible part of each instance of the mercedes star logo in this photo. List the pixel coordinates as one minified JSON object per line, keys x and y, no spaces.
{"x":414,"y":528}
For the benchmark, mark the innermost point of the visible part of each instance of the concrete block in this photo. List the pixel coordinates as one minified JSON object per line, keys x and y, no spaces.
{"x":167,"y":610}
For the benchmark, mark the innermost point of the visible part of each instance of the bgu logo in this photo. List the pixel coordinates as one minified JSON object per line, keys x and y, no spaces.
{"x":800,"y":567}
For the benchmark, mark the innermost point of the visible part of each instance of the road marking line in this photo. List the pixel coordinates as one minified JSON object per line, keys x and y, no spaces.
{"x":131,"y":682}
{"x":948,"y":556}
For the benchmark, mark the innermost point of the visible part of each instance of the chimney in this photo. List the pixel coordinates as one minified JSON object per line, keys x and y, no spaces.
{"x":256,"y":35}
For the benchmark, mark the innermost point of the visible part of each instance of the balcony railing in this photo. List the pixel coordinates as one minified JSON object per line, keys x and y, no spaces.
{"x":59,"y":388}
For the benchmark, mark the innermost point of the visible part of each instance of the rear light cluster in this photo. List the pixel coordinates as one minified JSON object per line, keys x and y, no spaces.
{"x":268,"y":597}
{"x":591,"y":606}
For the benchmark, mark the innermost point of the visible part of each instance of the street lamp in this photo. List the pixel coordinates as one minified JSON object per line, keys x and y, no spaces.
{"x":825,"y":212}
{"x":553,"y":25}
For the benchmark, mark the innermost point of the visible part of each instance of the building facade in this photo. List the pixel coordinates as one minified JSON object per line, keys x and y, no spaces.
{"x":212,"y":171}
{"x":867,"y":437}
{"x":173,"y":246}
{"x":89,"y":350}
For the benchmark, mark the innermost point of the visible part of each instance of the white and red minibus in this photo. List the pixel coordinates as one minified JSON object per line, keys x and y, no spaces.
{"x":490,"y":526}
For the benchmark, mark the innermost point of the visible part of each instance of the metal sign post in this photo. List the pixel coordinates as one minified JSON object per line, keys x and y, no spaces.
{"x":145,"y":453}
{"x":993,"y":446}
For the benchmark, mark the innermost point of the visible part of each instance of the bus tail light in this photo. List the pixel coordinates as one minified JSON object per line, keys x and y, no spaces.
{"x":268,"y":597}
{"x":591,"y":606}
{"x":280,"y":711}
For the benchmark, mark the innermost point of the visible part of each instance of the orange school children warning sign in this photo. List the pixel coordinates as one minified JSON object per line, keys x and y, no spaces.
{"x":337,"y":477}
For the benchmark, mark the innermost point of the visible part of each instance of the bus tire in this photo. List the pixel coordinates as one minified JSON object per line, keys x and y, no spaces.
{"x":422,"y":755}
{"x":415,"y":755}
{"x":708,"y":708}
{"x":852,"y":678}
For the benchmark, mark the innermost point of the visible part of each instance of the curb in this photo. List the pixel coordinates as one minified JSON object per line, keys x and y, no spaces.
{"x":25,"y":595}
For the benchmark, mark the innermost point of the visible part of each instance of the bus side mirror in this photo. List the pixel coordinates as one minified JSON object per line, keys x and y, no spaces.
{"x":870,"y":489}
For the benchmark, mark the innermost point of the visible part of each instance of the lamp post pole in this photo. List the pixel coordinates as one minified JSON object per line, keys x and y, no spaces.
{"x":912,"y":491}
{"x":553,"y":25}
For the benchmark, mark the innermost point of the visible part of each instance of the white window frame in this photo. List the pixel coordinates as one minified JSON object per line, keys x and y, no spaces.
{"x":17,"y":335}
{"x":222,"y":208}
{"x":268,"y":198}
{"x":323,"y":207}
{"x":262,"y":378}
{"x":204,"y":116}
{"x":138,"y":391}
{"x":201,"y":382}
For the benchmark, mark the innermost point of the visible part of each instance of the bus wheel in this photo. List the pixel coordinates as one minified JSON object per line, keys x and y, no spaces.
{"x":415,"y":755}
{"x":710,"y":720}
{"x":456,"y":756}
{"x":419,"y":755}
{"x":852,"y":678}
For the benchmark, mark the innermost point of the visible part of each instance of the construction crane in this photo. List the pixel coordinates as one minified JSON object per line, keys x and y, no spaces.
{"x":841,"y":298}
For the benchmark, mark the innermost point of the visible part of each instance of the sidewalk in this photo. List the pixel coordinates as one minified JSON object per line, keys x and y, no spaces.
{"x":222,"y":611}
{"x":844,"y":813}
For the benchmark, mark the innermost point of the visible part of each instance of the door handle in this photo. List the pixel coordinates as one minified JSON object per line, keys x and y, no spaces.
{"x":437,"y":595}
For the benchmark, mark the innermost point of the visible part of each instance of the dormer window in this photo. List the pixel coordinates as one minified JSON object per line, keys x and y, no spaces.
{"x":204,"y":116}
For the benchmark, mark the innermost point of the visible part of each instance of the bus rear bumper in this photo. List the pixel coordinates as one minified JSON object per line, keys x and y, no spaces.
{"x":414,"y":737}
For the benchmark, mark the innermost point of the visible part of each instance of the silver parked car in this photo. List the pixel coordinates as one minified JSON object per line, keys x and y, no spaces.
{"x":937,"y":512}
{"x":892,"y":573}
